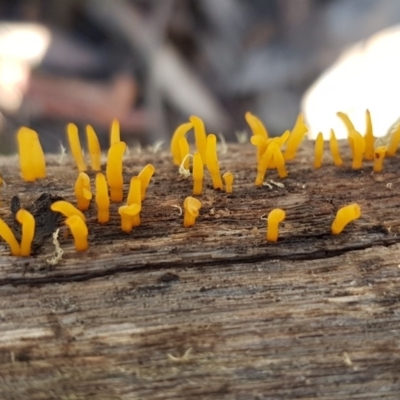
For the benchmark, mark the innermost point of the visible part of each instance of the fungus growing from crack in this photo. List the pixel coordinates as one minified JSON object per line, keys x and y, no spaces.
{"x":67,"y":209}
{"x":212,"y":161}
{"x":145,"y":176}
{"x":333,"y":144}
{"x":8,"y":236}
{"x":102,"y":199}
{"x":26,"y":219}
{"x":319,"y":151}
{"x":379,"y":156}
{"x":198,"y":173}
{"x":228,"y":179}
{"x":79,"y":231}
{"x":94,"y":148}
{"x":344,"y":216}
{"x":275,"y":217}
{"x":75,"y":146}
{"x":83,"y":192}
{"x":114,"y":171}
{"x":191,"y":207}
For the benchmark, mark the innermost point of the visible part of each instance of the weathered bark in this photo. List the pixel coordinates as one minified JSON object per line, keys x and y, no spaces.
{"x":213,"y":311}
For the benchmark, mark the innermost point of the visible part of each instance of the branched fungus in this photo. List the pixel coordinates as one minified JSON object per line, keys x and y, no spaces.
{"x":344,"y":216}
{"x":191,"y":207}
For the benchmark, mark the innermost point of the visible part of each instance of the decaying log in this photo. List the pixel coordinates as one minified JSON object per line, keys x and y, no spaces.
{"x":213,"y":311}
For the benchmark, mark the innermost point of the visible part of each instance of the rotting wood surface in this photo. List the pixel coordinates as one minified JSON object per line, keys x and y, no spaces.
{"x":210,"y":312}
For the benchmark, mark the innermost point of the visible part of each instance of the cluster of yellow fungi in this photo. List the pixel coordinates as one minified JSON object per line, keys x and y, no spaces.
{"x":272,"y":153}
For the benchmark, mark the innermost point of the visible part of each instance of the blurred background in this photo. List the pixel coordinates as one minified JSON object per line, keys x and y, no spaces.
{"x":153,"y":63}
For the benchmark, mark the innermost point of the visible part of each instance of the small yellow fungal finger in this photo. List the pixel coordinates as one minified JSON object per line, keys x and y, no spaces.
{"x":145,"y":176}
{"x":26,"y":148}
{"x":102,"y":199}
{"x":9,"y":237}
{"x":39,"y":161}
{"x":297,"y":134}
{"x":198,"y":173}
{"x":184,"y":151}
{"x":200,"y":136}
{"x":228,"y":178}
{"x":275,"y":217}
{"x":94,"y":148}
{"x":115,"y":135}
{"x":260,"y":134}
{"x":263,"y":164}
{"x":26,"y":219}
{"x":127,"y":213}
{"x":358,"y":149}
{"x":344,"y":216}
{"x":319,"y":150}
{"x":180,"y":132}
{"x":191,"y":207}
{"x":135,"y":197}
{"x":75,"y":146}
{"x":79,"y":231}
{"x":379,"y":156}
{"x":83,"y":192}
{"x":114,"y":171}
{"x":369,"y":137}
{"x":212,"y":161}
{"x":333,"y":144}
{"x":278,"y":160}
{"x":66,"y":209}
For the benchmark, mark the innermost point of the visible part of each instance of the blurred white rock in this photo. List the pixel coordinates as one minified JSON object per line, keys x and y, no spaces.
{"x":366,"y":76}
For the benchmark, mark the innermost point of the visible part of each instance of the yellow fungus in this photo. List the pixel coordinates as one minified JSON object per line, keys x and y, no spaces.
{"x":180,"y":132}
{"x":350,"y":131}
{"x":394,"y":142}
{"x":115,"y":135}
{"x":114,"y":171}
{"x":228,"y":179}
{"x":26,"y":219}
{"x":83,"y":192}
{"x":94,"y":148}
{"x":79,"y":231}
{"x":66,"y":209}
{"x":200,"y":136}
{"x":278,"y":160}
{"x":102,"y":199}
{"x":275,"y":217}
{"x":358,"y":149}
{"x":184,"y":151}
{"x":333,"y":144}
{"x":379,"y":156}
{"x":135,"y":197}
{"x":264,"y":162}
{"x":75,"y":146}
{"x":212,"y":161}
{"x":296,"y":136}
{"x":198,"y":173}
{"x":145,"y":176}
{"x":127,"y":213}
{"x":319,"y":150}
{"x":191,"y":207}
{"x":259,"y":131}
{"x":8,"y":236}
{"x":369,"y":137}
{"x":344,"y":216}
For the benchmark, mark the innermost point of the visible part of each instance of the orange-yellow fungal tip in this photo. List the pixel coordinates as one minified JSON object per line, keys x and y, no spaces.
{"x":94,"y":148}
{"x":319,"y":150}
{"x":79,"y":231}
{"x":191,"y":207}
{"x":135,"y":197}
{"x":200,"y":136}
{"x":212,"y":162}
{"x":114,"y":171}
{"x":83,"y":192}
{"x":333,"y":144}
{"x":31,"y":156}
{"x":145,"y":176}
{"x":128,"y":214}
{"x":180,"y":132}
{"x":26,"y":219}
{"x":228,"y":179}
{"x":275,"y":217}
{"x":8,"y":236}
{"x":184,"y":151}
{"x":344,"y":216}
{"x":296,"y":136}
{"x":115,"y":135}
{"x":67,"y":209}
{"x":102,"y":199}
{"x":379,"y":156}
{"x":75,"y":146}
{"x":198,"y":173}
{"x":394,"y":142}
{"x":358,"y":145}
{"x":369,"y":137}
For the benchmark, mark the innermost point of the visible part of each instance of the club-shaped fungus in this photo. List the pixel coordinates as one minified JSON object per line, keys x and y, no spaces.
{"x":31,"y":156}
{"x":263,"y":164}
{"x":369,"y":137}
{"x":191,"y":207}
{"x":94,"y":148}
{"x":114,"y":171}
{"x":228,"y":179}
{"x":102,"y":199}
{"x":278,"y":160}
{"x":319,"y":150}
{"x":75,"y":146}
{"x":333,"y":144}
{"x":345,"y":215}
{"x":275,"y":217}
{"x":115,"y":135}
{"x":8,"y":236}
{"x":212,"y":162}
{"x":358,"y":146}
{"x":180,"y":132}
{"x":200,"y":136}
{"x":145,"y":176}
{"x":394,"y":142}
{"x":296,"y":136}
{"x":379,"y":156}
{"x":67,"y":209}
{"x":26,"y":219}
{"x":128,"y":213}
{"x":79,"y":231}
{"x":135,"y":197}
{"x":184,"y":151}
{"x":83,"y":192}
{"x":198,"y":173}
{"x":259,"y":131}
